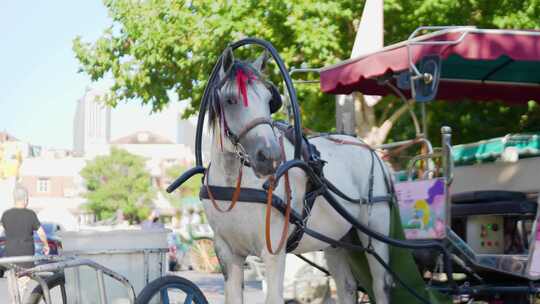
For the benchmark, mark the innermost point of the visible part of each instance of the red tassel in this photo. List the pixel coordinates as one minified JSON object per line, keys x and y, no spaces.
{"x":241,"y":82}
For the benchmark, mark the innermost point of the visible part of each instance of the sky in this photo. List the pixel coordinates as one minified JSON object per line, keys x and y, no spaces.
{"x":39,"y":82}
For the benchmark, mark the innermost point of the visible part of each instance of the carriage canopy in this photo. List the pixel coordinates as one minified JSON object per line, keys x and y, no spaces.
{"x":474,"y":64}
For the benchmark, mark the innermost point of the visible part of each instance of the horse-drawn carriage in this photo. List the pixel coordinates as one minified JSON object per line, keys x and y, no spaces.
{"x":464,"y":244}
{"x":493,"y":206}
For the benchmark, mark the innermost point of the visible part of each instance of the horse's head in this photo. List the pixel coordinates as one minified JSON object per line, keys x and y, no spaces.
{"x":241,"y":109}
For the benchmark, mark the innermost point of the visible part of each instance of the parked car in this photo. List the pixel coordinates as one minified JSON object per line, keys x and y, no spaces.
{"x":55,"y":243}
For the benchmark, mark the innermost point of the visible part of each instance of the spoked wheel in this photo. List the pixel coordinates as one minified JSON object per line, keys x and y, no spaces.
{"x":171,"y":290}
{"x":203,"y":256}
{"x":56,"y":284}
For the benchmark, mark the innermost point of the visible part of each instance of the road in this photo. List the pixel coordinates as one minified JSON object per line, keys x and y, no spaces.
{"x":210,"y":284}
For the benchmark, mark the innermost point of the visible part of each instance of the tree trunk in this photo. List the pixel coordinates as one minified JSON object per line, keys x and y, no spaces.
{"x":366,"y":122}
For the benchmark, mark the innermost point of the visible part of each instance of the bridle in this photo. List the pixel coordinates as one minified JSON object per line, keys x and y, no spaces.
{"x":243,"y":156}
{"x":236,"y":137}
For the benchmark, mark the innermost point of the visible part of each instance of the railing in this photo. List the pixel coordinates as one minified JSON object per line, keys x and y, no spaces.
{"x":56,"y":264}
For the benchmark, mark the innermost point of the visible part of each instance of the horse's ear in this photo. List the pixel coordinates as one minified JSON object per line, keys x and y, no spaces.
{"x":260,"y":63}
{"x":227,"y":61}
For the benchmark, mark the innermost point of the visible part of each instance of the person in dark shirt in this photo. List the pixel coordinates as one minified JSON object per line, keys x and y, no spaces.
{"x":19,"y":225}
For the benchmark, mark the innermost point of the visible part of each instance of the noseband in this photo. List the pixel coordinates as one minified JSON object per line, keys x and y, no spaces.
{"x":235,"y":138}
{"x":239,"y":150}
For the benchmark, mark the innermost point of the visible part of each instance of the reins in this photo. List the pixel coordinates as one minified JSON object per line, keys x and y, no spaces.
{"x":269,"y":208}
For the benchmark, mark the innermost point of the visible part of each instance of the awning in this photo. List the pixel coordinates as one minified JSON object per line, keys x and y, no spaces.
{"x":484,"y":65}
{"x":526,"y":145}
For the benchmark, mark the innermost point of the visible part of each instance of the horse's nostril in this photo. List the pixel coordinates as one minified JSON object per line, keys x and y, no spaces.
{"x":261,"y":156}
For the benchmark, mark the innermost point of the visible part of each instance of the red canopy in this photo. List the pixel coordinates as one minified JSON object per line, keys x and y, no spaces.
{"x":484,"y":65}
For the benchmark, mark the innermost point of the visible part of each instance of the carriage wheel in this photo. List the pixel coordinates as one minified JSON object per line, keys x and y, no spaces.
{"x":56,"y":284}
{"x":171,"y":289}
{"x":203,"y":256}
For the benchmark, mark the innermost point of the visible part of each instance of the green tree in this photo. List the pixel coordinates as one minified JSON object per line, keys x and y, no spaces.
{"x":118,"y":181}
{"x":156,"y":47}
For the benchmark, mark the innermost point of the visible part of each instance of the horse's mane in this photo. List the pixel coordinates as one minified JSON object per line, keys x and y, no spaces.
{"x":214,"y":109}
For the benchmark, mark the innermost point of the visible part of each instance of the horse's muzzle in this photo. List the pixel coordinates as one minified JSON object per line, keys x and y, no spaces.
{"x":266,"y":161}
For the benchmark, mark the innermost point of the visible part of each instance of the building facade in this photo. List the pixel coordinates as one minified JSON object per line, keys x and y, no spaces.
{"x":91,"y":124}
{"x":55,"y":188}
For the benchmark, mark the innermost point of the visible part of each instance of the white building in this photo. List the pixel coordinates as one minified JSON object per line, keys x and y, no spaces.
{"x":95,"y":125}
{"x":159,"y":152}
{"x":91,"y":124}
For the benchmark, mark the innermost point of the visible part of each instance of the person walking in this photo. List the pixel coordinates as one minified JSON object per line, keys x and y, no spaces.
{"x":19,"y":225}
{"x":152,"y":223}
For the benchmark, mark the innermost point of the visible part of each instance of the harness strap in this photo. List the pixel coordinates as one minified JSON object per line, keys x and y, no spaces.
{"x":287,"y":208}
{"x":235,"y":138}
{"x":348,"y":142}
{"x":235,"y":194}
{"x":249,"y":195}
{"x":298,"y":233}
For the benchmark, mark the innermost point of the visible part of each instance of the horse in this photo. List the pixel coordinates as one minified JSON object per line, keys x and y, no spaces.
{"x":241,"y":127}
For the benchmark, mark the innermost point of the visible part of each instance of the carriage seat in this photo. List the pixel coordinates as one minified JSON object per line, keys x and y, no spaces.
{"x":492,"y":202}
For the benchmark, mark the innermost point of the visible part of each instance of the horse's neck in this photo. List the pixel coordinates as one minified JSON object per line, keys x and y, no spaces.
{"x":224,"y":165}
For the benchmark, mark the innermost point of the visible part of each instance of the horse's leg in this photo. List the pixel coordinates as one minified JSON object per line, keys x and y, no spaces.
{"x":379,"y":220}
{"x":233,"y":271}
{"x":336,"y":259}
{"x":274,"y":266}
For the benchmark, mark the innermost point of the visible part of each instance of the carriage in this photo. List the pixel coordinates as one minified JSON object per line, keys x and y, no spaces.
{"x":486,"y":207}
{"x":462,"y":231}
{"x":463,"y":237}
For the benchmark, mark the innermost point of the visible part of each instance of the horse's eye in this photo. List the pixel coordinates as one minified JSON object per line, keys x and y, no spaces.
{"x":230,"y":101}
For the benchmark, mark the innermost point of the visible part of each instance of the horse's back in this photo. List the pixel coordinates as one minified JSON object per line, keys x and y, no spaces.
{"x":348,"y":162}
{"x":347,"y":166}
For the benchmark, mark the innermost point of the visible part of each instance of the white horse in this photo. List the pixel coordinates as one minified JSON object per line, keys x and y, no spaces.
{"x":242,"y":97}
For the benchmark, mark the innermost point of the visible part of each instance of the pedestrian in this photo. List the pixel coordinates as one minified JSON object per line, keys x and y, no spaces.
{"x":152,"y":223}
{"x":19,"y":225}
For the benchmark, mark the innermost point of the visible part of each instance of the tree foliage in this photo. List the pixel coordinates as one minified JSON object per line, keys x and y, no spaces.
{"x":118,"y":181}
{"x":156,"y":47}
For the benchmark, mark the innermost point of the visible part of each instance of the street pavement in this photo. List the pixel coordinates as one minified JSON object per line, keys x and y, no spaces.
{"x":210,"y":284}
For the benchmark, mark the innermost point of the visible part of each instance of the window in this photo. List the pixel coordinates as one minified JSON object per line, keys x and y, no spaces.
{"x":43,"y":185}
